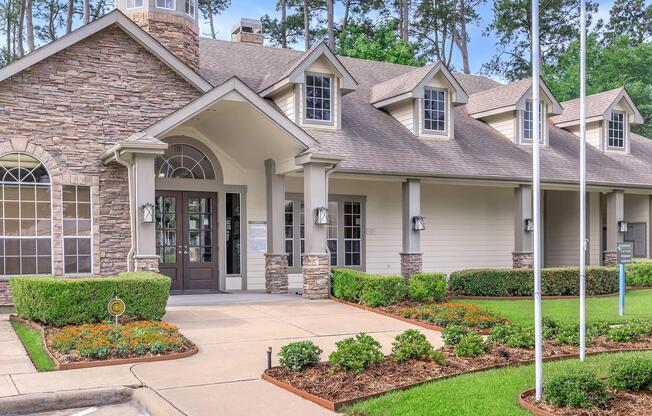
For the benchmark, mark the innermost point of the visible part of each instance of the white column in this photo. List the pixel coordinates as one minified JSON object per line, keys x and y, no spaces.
{"x":144,"y":190}
{"x":522,"y":256}
{"x":316,"y":265}
{"x":411,"y":256}
{"x":615,"y":214}
{"x":276,"y":260}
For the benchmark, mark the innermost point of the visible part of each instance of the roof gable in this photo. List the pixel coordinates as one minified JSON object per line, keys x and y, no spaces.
{"x":597,"y":107}
{"x":129,"y":27}
{"x":507,"y":98}
{"x":409,"y":84}
{"x":297,"y":67}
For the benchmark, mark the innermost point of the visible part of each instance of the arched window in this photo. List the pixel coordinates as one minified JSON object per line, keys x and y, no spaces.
{"x":183,"y":161}
{"x":26,"y":216}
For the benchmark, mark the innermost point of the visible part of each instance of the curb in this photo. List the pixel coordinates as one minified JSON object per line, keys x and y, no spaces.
{"x":529,"y":407}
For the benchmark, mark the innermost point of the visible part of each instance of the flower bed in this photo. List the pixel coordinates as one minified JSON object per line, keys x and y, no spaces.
{"x":621,"y":403}
{"x":446,"y":314}
{"x":333,"y":388}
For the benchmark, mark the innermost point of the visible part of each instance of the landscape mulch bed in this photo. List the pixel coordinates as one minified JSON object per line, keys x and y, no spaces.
{"x":336,"y":389}
{"x":631,"y":403}
{"x":74,"y":361}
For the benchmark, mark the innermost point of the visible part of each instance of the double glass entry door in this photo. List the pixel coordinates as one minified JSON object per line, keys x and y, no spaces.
{"x":186,"y":230}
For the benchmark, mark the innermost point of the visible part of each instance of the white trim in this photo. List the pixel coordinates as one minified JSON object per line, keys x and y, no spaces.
{"x":126,"y":24}
{"x":194,"y":8}
{"x":131,"y":8}
{"x":174,"y":5}
{"x":88,"y":237}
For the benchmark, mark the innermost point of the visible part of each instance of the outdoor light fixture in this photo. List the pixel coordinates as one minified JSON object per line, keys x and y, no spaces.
{"x":321,"y":216}
{"x":418,"y":223}
{"x":622,"y":226}
{"x":529,"y":224}
{"x":148,"y":212}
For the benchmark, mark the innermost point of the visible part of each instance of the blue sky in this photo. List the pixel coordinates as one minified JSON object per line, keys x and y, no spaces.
{"x":481,"y":48}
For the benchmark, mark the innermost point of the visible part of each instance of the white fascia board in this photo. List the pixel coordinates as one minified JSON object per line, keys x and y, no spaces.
{"x":638,"y":118}
{"x":126,"y":24}
{"x":216,"y":94}
{"x":392,"y":100}
{"x":493,"y":112}
{"x":275,"y":87}
{"x":297,"y":75}
{"x":576,"y":122}
{"x":319,"y":157}
{"x":461,"y":97}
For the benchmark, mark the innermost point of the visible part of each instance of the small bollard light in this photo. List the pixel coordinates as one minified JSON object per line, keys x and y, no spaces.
{"x":269,"y":358}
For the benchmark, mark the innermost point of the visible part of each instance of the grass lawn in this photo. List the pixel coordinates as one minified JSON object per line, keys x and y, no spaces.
{"x":637,"y":306}
{"x":33,"y":343}
{"x":491,"y":393}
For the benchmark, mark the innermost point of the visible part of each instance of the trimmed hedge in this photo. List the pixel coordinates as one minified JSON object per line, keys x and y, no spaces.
{"x":382,"y":290}
{"x":347,"y":284}
{"x":520,"y":282}
{"x":638,"y":274}
{"x":64,"y":301}
{"x":427,"y":287}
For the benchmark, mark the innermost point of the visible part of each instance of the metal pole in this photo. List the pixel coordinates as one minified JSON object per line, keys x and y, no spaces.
{"x":621,"y":303}
{"x":582,"y":180}
{"x":536,"y":186}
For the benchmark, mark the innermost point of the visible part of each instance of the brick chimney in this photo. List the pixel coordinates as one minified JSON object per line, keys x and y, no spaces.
{"x":173,"y":23}
{"x":248,"y":31}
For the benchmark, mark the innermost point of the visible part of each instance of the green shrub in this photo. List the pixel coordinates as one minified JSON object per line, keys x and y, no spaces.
{"x":59,"y":301}
{"x":347,"y":284}
{"x":569,"y":334}
{"x":576,"y":388}
{"x":356,"y":354}
{"x":298,"y":355}
{"x":630,"y":331}
{"x":453,"y":334}
{"x":382,"y":290}
{"x":519,"y":282}
{"x":632,"y":373}
{"x":513,"y":336}
{"x":439,"y":358}
{"x":638,"y":274}
{"x":412,"y":345}
{"x":471,"y":345}
{"x":427,"y":287}
{"x":549,"y":328}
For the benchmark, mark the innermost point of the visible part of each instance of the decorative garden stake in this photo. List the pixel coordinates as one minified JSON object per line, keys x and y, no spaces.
{"x":116,"y":308}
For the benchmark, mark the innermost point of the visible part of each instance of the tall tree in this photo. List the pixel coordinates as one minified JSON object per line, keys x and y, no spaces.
{"x":29,"y":25}
{"x":20,"y":28}
{"x":467,"y":15}
{"x":405,"y":20}
{"x":512,"y":23}
{"x":210,"y":8}
{"x":284,"y":29}
{"x":86,"y":11}
{"x":434,"y":29}
{"x":69,"y":15}
{"x":329,"y":18}
{"x":306,"y":25}
{"x":630,"y":18}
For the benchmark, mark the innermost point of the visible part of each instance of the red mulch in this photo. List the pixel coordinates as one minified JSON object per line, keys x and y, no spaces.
{"x":630,"y":403}
{"x":389,"y":375}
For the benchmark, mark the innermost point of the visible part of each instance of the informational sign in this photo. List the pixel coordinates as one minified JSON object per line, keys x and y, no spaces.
{"x":117,"y":308}
{"x":257,"y":236}
{"x":624,"y":253}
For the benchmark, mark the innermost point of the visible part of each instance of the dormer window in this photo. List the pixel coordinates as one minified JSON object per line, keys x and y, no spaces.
{"x":318,"y":98}
{"x":528,"y":120}
{"x":134,"y":4}
{"x":434,"y":109}
{"x":616,"y":138}
{"x":165,"y":4}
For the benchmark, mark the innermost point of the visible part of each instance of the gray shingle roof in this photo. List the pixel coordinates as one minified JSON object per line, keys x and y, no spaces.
{"x":596,"y":105}
{"x":498,"y":97}
{"x":396,"y":86}
{"x":375,"y":143}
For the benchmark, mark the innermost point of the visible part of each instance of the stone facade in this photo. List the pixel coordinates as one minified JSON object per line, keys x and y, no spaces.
{"x":179,"y":34}
{"x":90,"y":96}
{"x":276,"y":273}
{"x":316,"y":279}
{"x":146,"y":263}
{"x":610,"y":258}
{"x":5,"y":292}
{"x":411,"y":264}
{"x":523,"y":260}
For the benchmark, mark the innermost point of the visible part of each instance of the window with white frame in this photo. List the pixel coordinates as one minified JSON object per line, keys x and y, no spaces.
{"x":77,"y":239}
{"x":434,"y":109}
{"x":25,"y":216}
{"x":319,"y":101}
{"x":616,"y":136}
{"x":165,"y":4}
{"x":344,"y":234}
{"x":134,"y":4}
{"x":528,"y":120}
{"x":190,"y":6}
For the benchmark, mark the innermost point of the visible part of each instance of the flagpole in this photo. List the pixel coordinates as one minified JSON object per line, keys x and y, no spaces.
{"x":583,"y":239}
{"x":536,"y":186}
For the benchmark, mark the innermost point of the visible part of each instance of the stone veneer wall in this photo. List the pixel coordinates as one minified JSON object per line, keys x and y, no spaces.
{"x":276,"y":273}
{"x":178,"y":34}
{"x":523,"y":260}
{"x":77,"y":103}
{"x":610,"y":258}
{"x":411,"y":264}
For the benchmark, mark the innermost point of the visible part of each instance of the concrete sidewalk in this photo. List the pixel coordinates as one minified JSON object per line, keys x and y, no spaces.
{"x":224,"y":377}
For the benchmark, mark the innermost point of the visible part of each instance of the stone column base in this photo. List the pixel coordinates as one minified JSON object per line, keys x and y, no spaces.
{"x":411,"y":264}
{"x":276,"y":273}
{"x":146,"y":263}
{"x":609,"y":258}
{"x":5,"y":292}
{"x":316,"y":269}
{"x":523,"y":260}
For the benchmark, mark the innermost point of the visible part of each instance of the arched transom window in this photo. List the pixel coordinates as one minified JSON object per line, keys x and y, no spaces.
{"x":25,"y":216}
{"x":184,"y":161}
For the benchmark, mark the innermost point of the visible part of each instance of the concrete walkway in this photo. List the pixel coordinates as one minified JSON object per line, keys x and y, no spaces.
{"x":224,"y":377}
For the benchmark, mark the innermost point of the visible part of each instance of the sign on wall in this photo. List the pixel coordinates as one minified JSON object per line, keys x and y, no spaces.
{"x":257,"y":237}
{"x":624,"y":253}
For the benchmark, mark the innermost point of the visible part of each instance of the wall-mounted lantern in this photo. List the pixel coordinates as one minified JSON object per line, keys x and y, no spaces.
{"x":147,"y":212}
{"x":418,"y":223}
{"x":622,"y":226}
{"x":321,"y":216}
{"x":529,"y":224}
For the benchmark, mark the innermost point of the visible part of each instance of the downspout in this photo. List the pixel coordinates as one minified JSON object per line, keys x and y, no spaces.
{"x":132,"y":228}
